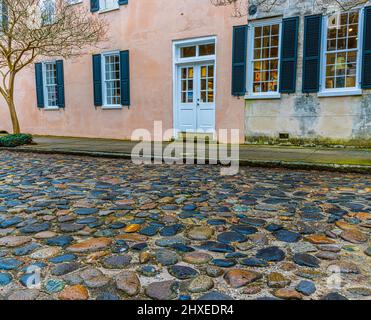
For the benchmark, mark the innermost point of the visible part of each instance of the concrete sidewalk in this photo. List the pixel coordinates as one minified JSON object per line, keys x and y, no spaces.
{"x":339,"y":159}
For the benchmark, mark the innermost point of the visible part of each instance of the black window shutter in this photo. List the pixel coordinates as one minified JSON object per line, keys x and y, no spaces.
{"x":60,"y":84}
{"x":121,"y":2}
{"x":239,"y":56}
{"x":39,"y":85}
{"x":97,"y":80}
{"x":366,"y":54}
{"x":289,"y":54}
{"x":94,"y":5}
{"x":312,"y":53}
{"x":125,"y":77}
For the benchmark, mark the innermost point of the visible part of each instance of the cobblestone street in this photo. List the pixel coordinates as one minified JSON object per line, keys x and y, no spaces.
{"x":109,"y":229}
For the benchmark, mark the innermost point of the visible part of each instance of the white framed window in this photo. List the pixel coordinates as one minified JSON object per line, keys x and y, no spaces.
{"x":111,"y":79}
{"x":264,"y":50}
{"x":50,"y":84}
{"x":2,"y":11}
{"x":106,"y":5}
{"x":48,"y":11}
{"x":341,"y":60}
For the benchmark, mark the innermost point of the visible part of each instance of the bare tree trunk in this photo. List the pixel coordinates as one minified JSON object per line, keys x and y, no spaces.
{"x":13,"y":114}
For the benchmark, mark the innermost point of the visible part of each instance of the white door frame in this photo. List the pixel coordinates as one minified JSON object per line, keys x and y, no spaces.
{"x":178,"y":61}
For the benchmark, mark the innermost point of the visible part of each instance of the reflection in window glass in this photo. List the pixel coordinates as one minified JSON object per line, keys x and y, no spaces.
{"x":342,"y":51}
{"x":188,"y":52}
{"x":207,"y":49}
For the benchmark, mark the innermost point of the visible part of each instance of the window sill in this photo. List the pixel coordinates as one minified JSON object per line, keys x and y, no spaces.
{"x":262,"y":96}
{"x":353,"y":92}
{"x":73,"y":3}
{"x":118,"y":107}
{"x":109,"y":10}
{"x":51,"y":108}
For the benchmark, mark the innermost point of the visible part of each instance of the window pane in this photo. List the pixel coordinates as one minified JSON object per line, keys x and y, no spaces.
{"x":203,"y":84}
{"x":353,"y":30}
{"x":331,"y":34}
{"x":207,"y":49}
{"x":190,"y":72}
{"x":275,"y":29}
{"x":190,"y":96}
{"x":331,"y":45}
{"x":257,"y":43}
{"x":188,"y":52}
{"x":353,"y":17}
{"x":265,"y":53}
{"x":257,"y":54}
{"x":190,"y":84}
{"x":330,"y":83}
{"x":211,"y":71}
{"x":210,"y":85}
{"x":257,"y":88}
{"x":258,"y":31}
{"x":331,"y":58}
{"x":351,"y":82}
{"x":352,"y":43}
{"x":342,"y":44}
{"x":274,"y":53}
{"x":257,"y":65}
{"x":352,"y":56}
{"x":273,"y":64}
{"x":210,"y":96}
{"x":340,"y":82}
{"x":266,"y":41}
{"x":330,"y":71}
{"x":274,"y":41}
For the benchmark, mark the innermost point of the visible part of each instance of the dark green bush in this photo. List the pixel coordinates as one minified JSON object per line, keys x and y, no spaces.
{"x":15,"y":140}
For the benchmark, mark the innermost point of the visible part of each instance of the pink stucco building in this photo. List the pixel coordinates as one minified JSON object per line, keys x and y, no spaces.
{"x":295,"y":70}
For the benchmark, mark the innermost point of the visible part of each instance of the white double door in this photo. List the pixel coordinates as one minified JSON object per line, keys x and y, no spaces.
{"x":196,"y":97}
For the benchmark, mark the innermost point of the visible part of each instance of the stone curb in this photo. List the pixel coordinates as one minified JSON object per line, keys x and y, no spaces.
{"x":244,"y":163}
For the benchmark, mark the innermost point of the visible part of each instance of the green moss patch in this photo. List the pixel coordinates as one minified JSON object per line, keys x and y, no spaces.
{"x":310,"y":142}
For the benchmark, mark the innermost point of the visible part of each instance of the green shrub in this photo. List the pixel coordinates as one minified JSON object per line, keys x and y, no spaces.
{"x":15,"y":140}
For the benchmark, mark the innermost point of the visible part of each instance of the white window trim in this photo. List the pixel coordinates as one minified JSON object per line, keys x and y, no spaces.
{"x":104,"y":89}
{"x":46,"y":106}
{"x":177,"y":45}
{"x":340,"y":92}
{"x":116,"y":7}
{"x":250,"y":95}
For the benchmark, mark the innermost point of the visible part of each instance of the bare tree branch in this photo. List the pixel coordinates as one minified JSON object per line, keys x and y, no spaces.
{"x":35,"y":29}
{"x":241,"y":6}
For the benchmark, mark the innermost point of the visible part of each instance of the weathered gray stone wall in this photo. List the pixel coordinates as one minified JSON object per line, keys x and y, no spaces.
{"x":307,"y":115}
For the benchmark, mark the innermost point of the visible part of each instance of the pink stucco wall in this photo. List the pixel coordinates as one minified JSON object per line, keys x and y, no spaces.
{"x":147,"y":28}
